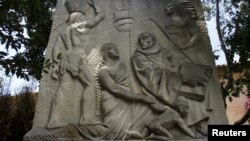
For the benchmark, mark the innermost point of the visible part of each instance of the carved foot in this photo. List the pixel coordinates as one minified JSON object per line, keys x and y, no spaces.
{"x":190,"y":133}
{"x":89,"y":122}
{"x":202,"y":128}
{"x":132,"y":134}
{"x":55,"y":124}
{"x":158,"y":137}
{"x":185,"y":128}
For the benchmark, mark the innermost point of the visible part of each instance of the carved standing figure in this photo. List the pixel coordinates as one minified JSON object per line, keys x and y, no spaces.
{"x":154,"y":69}
{"x":159,"y":77}
{"x":186,"y":36}
{"x":73,"y":68}
{"x":181,"y":29}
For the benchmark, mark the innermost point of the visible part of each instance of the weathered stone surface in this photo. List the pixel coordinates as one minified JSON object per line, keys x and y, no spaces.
{"x":130,"y":69}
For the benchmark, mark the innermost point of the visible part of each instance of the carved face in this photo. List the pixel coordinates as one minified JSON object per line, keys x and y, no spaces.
{"x":110,"y":50}
{"x":113,"y":52}
{"x":182,"y":106}
{"x":146,"y":40}
{"x":169,"y":9}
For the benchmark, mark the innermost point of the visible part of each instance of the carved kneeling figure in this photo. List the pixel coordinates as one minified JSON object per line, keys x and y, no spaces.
{"x":157,"y":128}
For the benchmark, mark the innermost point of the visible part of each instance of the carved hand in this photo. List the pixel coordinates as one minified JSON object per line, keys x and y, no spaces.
{"x":55,"y":73}
{"x":91,"y":3}
{"x":186,"y":47}
{"x":156,"y":107}
{"x":148,"y":100}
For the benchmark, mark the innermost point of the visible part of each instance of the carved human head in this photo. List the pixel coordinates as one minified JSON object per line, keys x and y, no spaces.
{"x":110,"y":50}
{"x":183,"y":8}
{"x":169,"y":9}
{"x":76,"y":5}
{"x":146,"y":40}
{"x":181,"y":106}
{"x":76,"y":17}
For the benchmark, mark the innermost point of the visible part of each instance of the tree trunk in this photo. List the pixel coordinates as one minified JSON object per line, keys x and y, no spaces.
{"x":229,"y":59}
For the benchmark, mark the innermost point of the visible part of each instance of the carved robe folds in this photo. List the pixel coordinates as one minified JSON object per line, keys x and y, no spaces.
{"x":158,"y":76}
{"x":125,"y":73}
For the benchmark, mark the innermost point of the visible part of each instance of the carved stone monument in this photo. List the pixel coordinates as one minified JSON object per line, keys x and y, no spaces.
{"x":128,"y":69}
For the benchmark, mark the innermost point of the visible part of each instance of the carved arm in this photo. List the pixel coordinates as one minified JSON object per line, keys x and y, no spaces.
{"x":99,"y":17}
{"x":195,"y":35}
{"x":66,"y":38}
{"x":122,"y":92}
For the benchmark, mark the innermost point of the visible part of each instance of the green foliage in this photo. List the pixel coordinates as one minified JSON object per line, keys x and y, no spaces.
{"x":233,"y":27}
{"x":16,"y":115}
{"x":25,"y":24}
{"x":50,"y":65}
{"x":237,"y":40}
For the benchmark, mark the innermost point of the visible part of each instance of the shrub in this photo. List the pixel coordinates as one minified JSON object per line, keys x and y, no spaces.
{"x":16,"y":114}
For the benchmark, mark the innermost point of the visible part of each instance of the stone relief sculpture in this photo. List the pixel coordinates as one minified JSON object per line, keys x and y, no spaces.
{"x":95,"y":63}
{"x":116,"y":96}
{"x":123,"y":20}
{"x":151,"y":120}
{"x":186,"y":37}
{"x":154,"y":69}
{"x":184,"y":34}
{"x":117,"y":100}
{"x":122,"y":77}
{"x":162,"y":79}
{"x":151,"y":60}
{"x":74,"y":66}
{"x":159,"y":127}
{"x":182,"y":25}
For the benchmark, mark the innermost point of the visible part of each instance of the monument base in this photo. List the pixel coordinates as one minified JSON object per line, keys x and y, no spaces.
{"x":43,"y":134}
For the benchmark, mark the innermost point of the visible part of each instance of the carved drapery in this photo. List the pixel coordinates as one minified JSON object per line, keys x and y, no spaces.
{"x":130,"y":69}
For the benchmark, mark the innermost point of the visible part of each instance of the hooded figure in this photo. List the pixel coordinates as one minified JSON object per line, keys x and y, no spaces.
{"x":161,"y":78}
{"x":155,"y":70}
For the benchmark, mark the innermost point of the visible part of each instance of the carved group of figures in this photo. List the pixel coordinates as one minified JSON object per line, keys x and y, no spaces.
{"x":161,"y":111}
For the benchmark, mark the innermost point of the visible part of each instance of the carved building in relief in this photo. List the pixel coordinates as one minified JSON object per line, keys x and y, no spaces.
{"x":130,"y":69}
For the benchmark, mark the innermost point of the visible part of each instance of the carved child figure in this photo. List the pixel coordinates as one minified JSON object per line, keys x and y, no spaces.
{"x":157,"y":128}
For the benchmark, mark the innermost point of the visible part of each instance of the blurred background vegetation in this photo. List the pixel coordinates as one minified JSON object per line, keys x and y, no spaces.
{"x":16,"y":113}
{"x":25,"y":28}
